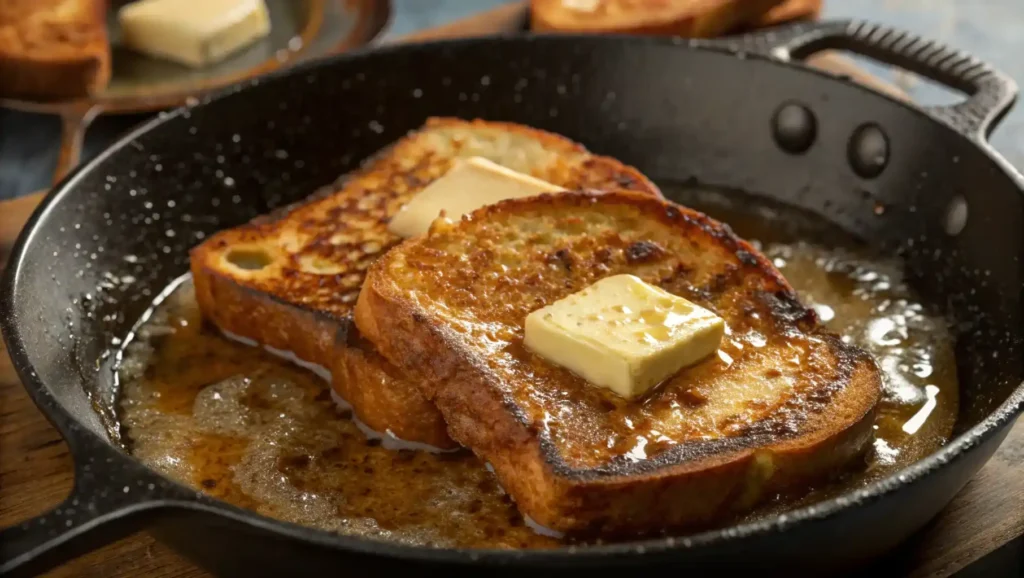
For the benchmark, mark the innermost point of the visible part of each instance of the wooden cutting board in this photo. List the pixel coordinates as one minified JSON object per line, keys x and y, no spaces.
{"x":36,"y":469}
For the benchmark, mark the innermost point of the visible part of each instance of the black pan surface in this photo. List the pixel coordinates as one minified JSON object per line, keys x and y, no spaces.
{"x":733,"y":115}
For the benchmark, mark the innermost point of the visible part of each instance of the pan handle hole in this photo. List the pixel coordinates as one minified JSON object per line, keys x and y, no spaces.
{"x":927,"y":92}
{"x":249,"y":259}
{"x":956,"y":216}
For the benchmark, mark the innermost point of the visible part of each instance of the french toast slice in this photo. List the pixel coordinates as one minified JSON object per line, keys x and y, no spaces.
{"x":290,"y":281}
{"x":690,"y":18}
{"x":53,"y":49}
{"x":783,"y":405}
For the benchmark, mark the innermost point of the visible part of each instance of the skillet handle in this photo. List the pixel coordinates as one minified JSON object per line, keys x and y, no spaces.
{"x":108,"y":501}
{"x":990,"y":92}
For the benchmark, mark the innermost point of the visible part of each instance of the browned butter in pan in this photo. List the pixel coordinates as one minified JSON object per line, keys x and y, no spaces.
{"x":258,"y":431}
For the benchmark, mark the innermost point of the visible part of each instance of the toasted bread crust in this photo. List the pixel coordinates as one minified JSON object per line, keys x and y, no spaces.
{"x":691,"y":484}
{"x":697,"y":18}
{"x":385,"y":396}
{"x":288,"y":307}
{"x":790,"y":10}
{"x":54,"y":50}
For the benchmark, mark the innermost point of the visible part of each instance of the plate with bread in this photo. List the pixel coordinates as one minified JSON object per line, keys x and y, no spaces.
{"x":147,"y":54}
{"x":693,"y":308}
{"x":80,"y":58}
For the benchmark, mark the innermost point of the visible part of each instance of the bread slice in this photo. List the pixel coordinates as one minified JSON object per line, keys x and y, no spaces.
{"x":786,"y":405}
{"x":290,"y":281}
{"x":53,"y":49}
{"x":788,"y":11}
{"x":690,"y":18}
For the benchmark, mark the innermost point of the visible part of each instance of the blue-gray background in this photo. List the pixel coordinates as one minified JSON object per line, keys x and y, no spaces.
{"x":991,"y":29}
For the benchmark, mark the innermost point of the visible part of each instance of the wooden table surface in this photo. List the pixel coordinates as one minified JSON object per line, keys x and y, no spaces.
{"x":36,"y":468}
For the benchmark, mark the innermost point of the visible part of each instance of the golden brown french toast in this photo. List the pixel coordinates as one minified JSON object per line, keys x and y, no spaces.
{"x":783,"y":404}
{"x":690,"y":18}
{"x":53,"y":49}
{"x":291,"y":281}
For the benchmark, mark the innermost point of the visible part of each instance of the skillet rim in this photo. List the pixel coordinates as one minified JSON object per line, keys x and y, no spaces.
{"x":72,"y":429}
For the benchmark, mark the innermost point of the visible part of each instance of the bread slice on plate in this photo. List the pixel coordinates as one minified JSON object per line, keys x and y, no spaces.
{"x":784,"y":403}
{"x":290,"y":281}
{"x":53,"y":49}
{"x":690,"y":18}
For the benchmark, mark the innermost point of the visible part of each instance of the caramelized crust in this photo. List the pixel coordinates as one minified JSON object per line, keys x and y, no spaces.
{"x":53,"y":49}
{"x":384,"y":395}
{"x":307,"y":263}
{"x":786,"y":403}
{"x":694,"y":18}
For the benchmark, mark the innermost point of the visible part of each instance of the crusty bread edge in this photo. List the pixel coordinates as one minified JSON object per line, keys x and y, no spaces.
{"x":244,"y":313}
{"x":44,"y":76}
{"x":378,"y":392}
{"x":791,"y":10}
{"x":576,"y":501}
{"x":711,"y":19}
{"x":554,"y":140}
{"x":315,"y":338}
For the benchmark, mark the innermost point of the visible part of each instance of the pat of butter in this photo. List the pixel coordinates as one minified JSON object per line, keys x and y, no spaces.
{"x":469,"y":184}
{"x":195,"y":33}
{"x":623,"y":334}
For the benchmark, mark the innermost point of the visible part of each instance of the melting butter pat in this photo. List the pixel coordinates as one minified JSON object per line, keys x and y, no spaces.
{"x":623,"y":334}
{"x":195,"y":33}
{"x":469,"y":184}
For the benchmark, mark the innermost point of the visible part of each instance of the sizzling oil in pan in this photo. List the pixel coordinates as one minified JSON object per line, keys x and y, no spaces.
{"x":260,"y":432}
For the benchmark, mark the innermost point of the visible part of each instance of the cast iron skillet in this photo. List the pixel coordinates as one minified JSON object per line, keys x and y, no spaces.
{"x":919,"y":182}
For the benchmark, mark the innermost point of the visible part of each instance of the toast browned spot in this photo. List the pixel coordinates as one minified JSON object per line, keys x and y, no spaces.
{"x":690,"y":18}
{"x":53,"y":49}
{"x":787,"y":404}
{"x":306,"y":265}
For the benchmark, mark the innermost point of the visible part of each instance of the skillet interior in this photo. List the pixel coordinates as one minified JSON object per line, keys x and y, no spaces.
{"x":119,"y":231}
